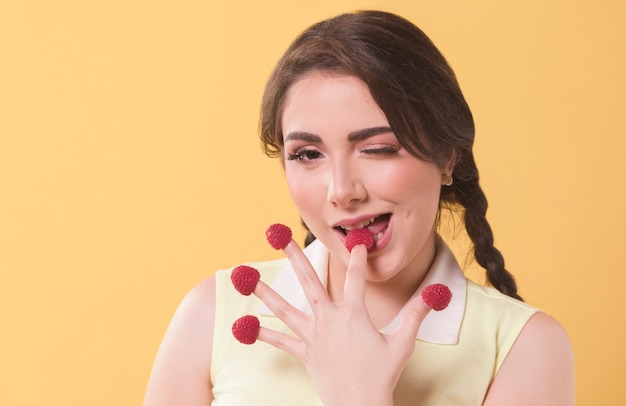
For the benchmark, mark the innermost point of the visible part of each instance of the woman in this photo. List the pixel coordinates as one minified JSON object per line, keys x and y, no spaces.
{"x":373,"y":131}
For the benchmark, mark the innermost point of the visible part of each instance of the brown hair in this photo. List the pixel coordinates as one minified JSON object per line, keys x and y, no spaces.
{"x":414,"y":86}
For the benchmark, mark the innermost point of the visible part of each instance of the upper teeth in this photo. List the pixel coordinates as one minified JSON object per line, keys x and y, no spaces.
{"x":359,"y":225}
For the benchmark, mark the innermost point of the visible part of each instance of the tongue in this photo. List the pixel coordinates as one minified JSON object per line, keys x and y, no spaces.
{"x":379,"y":224}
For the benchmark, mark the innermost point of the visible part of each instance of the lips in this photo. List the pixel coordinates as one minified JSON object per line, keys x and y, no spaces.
{"x":360,"y":224}
{"x":377,"y":225}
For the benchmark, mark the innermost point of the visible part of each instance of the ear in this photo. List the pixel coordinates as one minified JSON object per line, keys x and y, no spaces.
{"x":448,"y":166}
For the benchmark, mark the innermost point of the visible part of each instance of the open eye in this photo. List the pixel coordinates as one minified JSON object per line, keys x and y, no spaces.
{"x":304,"y":155}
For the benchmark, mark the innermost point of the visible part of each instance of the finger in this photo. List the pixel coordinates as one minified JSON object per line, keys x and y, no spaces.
{"x":415,"y":312}
{"x":292,"y":345}
{"x":313,"y":288}
{"x":292,"y":317}
{"x":354,"y":287}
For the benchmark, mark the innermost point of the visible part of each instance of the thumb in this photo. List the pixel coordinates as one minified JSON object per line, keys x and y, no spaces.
{"x":415,"y":312}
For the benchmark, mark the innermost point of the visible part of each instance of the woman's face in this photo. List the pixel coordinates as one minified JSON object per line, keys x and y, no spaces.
{"x":346,"y":169}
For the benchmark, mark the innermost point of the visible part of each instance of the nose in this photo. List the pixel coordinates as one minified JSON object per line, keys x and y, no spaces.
{"x":345,"y":186}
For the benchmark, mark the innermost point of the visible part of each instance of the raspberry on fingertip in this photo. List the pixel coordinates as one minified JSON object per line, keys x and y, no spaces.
{"x":278,"y":235}
{"x":246,"y":329}
{"x":437,"y":296}
{"x":359,"y":236}
{"x":244,"y":279}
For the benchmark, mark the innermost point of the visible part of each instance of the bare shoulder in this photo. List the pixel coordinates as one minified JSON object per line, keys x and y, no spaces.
{"x":539,"y":369}
{"x":181,"y":370}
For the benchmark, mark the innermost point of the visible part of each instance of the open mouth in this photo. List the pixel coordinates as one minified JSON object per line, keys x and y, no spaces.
{"x":376,"y":225}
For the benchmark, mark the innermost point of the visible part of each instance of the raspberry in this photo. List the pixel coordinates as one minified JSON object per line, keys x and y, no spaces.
{"x":244,"y":279}
{"x":246,"y":329}
{"x":278,"y":235}
{"x":437,"y":296}
{"x":359,"y":236}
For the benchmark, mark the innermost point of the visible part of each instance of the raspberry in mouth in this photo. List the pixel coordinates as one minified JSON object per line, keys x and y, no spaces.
{"x":376,"y":226}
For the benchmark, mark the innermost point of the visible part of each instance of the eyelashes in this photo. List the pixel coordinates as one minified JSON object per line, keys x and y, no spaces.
{"x":383,"y":150}
{"x":309,"y":155}
{"x":304,"y":155}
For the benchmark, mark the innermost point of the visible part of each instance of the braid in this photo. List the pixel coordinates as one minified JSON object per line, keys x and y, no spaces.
{"x":469,"y":194}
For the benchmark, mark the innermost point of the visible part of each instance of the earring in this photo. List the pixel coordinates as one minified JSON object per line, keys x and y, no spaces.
{"x":446,"y":179}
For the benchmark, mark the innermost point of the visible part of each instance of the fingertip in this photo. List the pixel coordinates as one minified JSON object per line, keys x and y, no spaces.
{"x":419,"y":309}
{"x":414,"y":314}
{"x":260,"y":289}
{"x":354,"y":285}
{"x":358,"y":257}
{"x":291,"y":247}
{"x":262,"y":334}
{"x":359,"y":249}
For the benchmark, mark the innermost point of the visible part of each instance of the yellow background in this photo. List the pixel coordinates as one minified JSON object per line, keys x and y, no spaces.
{"x":130,"y":170}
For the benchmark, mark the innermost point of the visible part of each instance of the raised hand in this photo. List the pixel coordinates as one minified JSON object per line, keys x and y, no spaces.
{"x":349,"y":361}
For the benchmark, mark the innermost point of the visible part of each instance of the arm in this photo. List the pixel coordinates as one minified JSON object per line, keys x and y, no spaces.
{"x":539,"y":369}
{"x":181,"y":371}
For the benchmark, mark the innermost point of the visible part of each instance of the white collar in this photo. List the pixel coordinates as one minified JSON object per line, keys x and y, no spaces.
{"x":439,"y":327}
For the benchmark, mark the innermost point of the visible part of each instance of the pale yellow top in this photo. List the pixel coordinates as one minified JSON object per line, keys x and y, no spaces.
{"x":458,"y":350}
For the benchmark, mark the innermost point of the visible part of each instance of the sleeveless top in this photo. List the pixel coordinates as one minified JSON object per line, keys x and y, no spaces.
{"x":458,"y":351}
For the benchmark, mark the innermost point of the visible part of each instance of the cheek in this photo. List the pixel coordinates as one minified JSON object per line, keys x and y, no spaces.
{"x":406,"y":177}
{"x":305,"y":192}
{"x":418,"y":183}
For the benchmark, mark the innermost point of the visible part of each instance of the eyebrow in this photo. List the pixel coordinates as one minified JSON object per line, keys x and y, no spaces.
{"x":353,"y":136}
{"x":367,"y":133}
{"x":302,"y":136}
